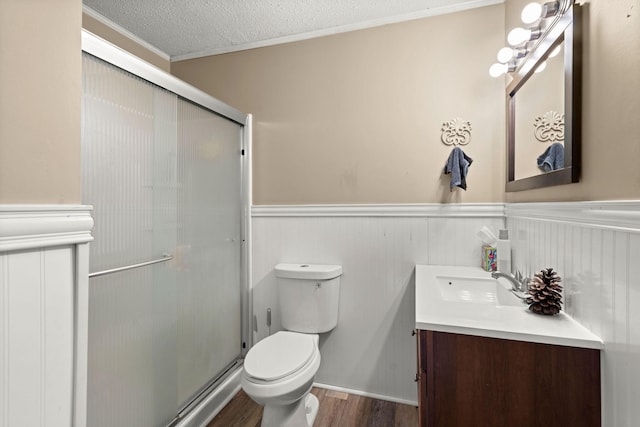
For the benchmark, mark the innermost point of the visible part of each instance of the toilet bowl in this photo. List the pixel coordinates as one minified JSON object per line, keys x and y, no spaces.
{"x":279,"y":370}
{"x":278,"y":373}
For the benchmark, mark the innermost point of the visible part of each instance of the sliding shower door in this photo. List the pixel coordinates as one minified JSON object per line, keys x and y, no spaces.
{"x":165,"y":312}
{"x":209,"y":239}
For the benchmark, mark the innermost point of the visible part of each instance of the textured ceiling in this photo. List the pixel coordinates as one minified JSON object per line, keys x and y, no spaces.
{"x":185,"y":29}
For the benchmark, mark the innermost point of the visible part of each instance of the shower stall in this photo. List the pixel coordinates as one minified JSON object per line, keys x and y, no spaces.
{"x":166,"y":170}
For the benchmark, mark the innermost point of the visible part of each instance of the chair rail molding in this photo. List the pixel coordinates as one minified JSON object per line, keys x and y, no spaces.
{"x":379,"y":210}
{"x":619,"y":215}
{"x":38,"y":226}
{"x":44,"y":265}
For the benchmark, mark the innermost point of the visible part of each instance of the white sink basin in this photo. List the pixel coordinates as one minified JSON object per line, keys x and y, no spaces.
{"x":476,"y":290}
{"x":467,"y":300}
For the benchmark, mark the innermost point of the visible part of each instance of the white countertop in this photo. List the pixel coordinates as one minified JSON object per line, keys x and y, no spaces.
{"x":514,"y":322}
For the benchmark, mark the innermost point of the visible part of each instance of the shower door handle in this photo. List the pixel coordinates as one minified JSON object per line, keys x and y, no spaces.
{"x":165,"y":257}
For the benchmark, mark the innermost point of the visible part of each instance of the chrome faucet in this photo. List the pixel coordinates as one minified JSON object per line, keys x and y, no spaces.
{"x":518,"y":283}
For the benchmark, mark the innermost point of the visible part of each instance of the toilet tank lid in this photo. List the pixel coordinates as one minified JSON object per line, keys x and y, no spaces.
{"x":308,"y":271}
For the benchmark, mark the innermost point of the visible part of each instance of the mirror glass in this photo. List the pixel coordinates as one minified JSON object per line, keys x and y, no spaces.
{"x":539,"y":121}
{"x":543,"y":109}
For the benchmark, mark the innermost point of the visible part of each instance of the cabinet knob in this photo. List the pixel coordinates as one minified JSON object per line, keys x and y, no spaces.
{"x":413,"y":332}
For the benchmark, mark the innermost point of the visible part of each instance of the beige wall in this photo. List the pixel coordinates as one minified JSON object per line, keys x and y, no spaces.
{"x":611,"y":105}
{"x":124,"y":42}
{"x":357,"y":117}
{"x":40,"y":101}
{"x":351,"y":118}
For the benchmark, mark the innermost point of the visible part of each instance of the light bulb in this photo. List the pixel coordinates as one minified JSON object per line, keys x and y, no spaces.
{"x":518,"y":36}
{"x":531,"y":13}
{"x":541,"y":67}
{"x":497,"y":69}
{"x":505,"y":55}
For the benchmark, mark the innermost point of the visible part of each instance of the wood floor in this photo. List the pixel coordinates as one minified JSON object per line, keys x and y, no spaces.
{"x":336,"y":409}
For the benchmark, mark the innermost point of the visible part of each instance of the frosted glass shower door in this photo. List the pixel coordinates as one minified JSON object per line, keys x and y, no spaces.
{"x":209,"y":239}
{"x":128,"y":174}
{"x":164,"y":177}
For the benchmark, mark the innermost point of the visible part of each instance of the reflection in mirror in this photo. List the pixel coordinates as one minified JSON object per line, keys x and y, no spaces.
{"x":539,"y":122}
{"x":543,"y":109}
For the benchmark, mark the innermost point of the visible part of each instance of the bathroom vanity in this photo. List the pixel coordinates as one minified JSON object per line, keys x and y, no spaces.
{"x":485,"y":360}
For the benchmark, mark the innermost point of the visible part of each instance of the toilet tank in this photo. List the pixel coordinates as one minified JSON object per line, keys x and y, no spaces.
{"x":309,"y":296}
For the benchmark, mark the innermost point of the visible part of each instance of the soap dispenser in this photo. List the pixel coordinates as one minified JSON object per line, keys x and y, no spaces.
{"x":504,"y":251}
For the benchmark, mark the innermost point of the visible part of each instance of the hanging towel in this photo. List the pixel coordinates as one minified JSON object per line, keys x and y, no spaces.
{"x":552,"y":158}
{"x":458,"y":165}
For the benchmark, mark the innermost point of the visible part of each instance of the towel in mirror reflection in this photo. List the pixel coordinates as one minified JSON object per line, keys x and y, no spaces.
{"x":552,"y":159}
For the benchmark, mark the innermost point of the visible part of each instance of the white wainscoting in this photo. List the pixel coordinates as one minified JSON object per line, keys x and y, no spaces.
{"x":371,"y":351}
{"x":43,"y":296}
{"x":595,"y":247}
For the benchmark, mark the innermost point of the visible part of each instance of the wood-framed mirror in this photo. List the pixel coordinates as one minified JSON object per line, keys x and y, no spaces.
{"x":544,"y":108}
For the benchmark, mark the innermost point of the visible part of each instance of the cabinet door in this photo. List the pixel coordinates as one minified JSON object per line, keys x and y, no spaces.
{"x":479,"y":381}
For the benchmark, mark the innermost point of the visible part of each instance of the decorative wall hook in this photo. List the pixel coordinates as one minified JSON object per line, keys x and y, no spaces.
{"x":456,"y":132}
{"x":549,"y":127}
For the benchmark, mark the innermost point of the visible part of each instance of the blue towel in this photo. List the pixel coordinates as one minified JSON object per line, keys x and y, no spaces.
{"x":552,"y":158}
{"x":458,"y":165}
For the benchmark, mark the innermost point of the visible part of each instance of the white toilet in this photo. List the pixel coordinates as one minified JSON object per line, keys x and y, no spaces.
{"x":279,"y":370}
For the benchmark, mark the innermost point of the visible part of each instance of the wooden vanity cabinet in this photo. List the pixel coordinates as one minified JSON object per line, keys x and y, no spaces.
{"x":467,"y":381}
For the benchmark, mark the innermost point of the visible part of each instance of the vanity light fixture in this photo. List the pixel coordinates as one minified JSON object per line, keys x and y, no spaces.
{"x":535,"y":15}
{"x":498,"y":69}
{"x":535,"y":11}
{"x":519,"y":35}
{"x":507,"y":54}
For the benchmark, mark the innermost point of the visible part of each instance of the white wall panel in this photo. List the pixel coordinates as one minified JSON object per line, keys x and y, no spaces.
{"x":633,"y":313}
{"x":57,"y":293}
{"x":595,"y":247}
{"x":371,"y":350}
{"x":38,"y":308}
{"x":616,"y":358}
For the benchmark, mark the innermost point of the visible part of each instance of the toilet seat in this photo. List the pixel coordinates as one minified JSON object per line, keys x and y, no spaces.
{"x":279,"y":355}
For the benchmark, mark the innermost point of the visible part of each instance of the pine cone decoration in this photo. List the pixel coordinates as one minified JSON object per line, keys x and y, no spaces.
{"x":544,"y":291}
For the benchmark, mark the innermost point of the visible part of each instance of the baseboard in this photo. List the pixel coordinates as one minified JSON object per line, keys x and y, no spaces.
{"x":366,"y":394}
